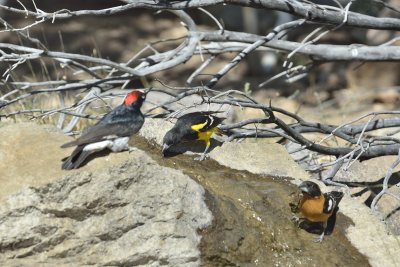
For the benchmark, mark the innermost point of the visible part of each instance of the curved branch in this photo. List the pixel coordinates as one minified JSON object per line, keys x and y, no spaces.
{"x":322,"y":52}
{"x":307,"y":11}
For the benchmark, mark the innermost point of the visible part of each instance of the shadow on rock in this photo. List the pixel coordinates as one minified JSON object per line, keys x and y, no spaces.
{"x":196,"y":146}
{"x":100,"y":154}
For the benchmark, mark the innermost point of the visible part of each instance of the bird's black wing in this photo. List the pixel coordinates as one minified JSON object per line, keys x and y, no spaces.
{"x":99,"y":133}
{"x":199,"y":121}
{"x":337,"y":197}
{"x":332,"y":200}
{"x":117,"y":123}
{"x":330,"y":225}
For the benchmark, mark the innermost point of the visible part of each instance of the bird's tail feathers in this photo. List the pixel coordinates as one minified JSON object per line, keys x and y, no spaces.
{"x":76,"y":159}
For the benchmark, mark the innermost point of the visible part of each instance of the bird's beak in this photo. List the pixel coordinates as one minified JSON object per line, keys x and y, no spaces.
{"x":144,"y":95}
{"x":304,"y":188}
{"x":146,"y":92}
{"x":165,"y":148}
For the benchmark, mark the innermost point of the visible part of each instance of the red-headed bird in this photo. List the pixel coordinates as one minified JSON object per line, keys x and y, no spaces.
{"x":112,"y":131}
{"x":318,"y":207}
{"x":192,"y":126}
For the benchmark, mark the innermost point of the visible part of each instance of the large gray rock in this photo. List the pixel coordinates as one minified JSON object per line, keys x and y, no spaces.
{"x":370,"y":235}
{"x":367,"y":171}
{"x":135,"y":213}
{"x":389,"y":206}
{"x":26,"y":152}
{"x":258,"y":157}
{"x":125,"y":209}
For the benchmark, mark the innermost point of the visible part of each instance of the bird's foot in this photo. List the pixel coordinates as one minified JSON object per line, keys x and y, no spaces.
{"x":296,"y":220}
{"x":202,"y":157}
{"x":294,"y":207}
{"x":320,"y":238}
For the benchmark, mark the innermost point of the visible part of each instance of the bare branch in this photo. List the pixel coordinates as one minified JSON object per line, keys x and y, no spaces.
{"x":385,"y":182}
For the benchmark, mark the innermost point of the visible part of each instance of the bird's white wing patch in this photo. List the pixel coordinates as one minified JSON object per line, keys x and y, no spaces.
{"x":110,"y":137}
{"x":330,"y":204}
{"x":116,"y":145}
{"x":94,"y":147}
{"x":211,"y":120}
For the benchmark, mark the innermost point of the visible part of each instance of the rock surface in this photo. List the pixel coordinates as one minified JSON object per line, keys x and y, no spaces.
{"x":133,"y":213}
{"x":367,"y":171}
{"x":370,"y":235}
{"x":24,"y":147}
{"x":255,"y":156}
{"x":127,"y":209}
{"x":389,"y":207}
{"x":380,"y":247}
{"x":367,"y":233}
{"x":365,"y":180}
{"x":258,"y":157}
{"x":252,"y":219}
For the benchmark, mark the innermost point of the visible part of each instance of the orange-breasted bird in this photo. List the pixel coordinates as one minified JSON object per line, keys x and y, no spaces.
{"x":192,"y":126}
{"x":112,"y":131}
{"x":318,"y":207}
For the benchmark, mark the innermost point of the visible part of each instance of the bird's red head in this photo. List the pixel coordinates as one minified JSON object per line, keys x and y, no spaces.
{"x":132,"y":97}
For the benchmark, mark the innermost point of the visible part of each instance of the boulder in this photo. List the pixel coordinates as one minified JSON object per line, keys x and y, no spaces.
{"x":367,"y":171}
{"x":30,"y":155}
{"x":389,"y":206}
{"x":142,"y":209}
{"x":129,"y":212}
{"x":258,"y":157}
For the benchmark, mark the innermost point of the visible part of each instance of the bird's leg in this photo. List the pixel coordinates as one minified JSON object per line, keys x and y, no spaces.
{"x":204,"y":155}
{"x":321,"y":237}
{"x":297,"y":220}
{"x":120,"y":144}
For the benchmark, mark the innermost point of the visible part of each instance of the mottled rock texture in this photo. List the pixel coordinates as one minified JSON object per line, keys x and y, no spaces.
{"x":135,"y":213}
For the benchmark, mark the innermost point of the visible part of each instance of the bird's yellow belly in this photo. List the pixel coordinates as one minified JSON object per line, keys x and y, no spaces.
{"x":205,"y":136}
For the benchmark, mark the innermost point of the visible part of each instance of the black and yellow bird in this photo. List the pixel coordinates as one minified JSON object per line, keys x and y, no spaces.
{"x":318,"y":207}
{"x":192,"y":126}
